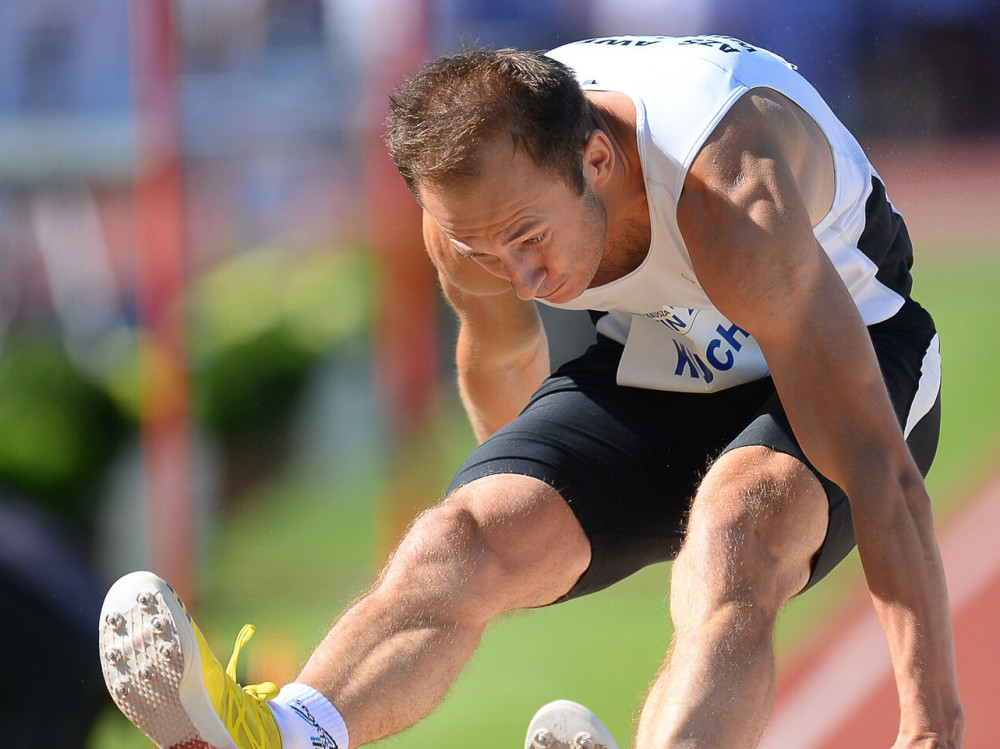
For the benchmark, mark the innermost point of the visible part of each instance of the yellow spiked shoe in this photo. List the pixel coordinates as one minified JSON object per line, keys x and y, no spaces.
{"x":164,"y":678}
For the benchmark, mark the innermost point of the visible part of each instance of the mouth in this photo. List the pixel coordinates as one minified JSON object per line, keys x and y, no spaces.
{"x":550,"y":295}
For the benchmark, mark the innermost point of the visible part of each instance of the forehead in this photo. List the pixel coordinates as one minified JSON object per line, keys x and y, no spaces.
{"x":508,"y":188}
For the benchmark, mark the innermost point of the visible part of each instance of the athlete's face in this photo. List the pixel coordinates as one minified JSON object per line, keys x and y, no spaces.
{"x":523,"y":225}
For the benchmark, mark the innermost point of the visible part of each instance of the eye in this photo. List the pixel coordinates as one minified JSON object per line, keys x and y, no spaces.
{"x":534,"y":240}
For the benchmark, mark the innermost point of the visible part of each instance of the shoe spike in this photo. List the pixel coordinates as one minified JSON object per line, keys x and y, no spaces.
{"x":542,"y":740}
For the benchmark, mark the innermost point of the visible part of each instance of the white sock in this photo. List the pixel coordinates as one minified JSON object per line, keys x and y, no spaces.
{"x":307,"y":720}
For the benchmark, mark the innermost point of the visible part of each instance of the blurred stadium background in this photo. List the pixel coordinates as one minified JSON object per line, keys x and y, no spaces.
{"x":223,"y":355}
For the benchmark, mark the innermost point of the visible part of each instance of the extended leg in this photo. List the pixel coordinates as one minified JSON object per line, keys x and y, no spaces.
{"x":756,"y":523}
{"x":500,"y":543}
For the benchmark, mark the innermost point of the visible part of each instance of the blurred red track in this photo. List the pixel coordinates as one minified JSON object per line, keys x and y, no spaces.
{"x":842,"y":693}
{"x":947,"y":190}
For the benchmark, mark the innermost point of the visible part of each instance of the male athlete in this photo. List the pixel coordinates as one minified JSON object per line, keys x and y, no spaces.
{"x":762,"y":394}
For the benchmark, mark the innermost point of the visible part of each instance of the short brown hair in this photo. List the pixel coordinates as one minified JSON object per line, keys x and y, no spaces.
{"x":440,"y":116}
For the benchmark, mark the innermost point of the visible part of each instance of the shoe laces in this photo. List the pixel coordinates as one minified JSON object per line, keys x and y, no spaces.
{"x":263,"y":692}
{"x":246,"y":710}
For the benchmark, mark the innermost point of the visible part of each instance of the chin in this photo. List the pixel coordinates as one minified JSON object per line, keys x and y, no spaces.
{"x":562,"y":293}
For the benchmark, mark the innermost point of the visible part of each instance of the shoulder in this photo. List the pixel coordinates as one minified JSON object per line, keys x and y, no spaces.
{"x":765,"y":131}
{"x":760,"y":122}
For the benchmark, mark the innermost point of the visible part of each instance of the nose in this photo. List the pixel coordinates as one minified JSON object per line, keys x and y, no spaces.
{"x":525,"y":274}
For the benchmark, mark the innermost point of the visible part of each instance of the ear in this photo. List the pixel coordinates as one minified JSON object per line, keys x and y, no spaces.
{"x":598,"y":158}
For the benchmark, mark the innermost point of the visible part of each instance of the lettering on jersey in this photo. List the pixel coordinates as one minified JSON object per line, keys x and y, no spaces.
{"x":727,"y":336}
{"x":678,"y":320}
{"x":722,"y":43}
{"x":696,"y":368}
{"x":618,"y":41}
{"x":720,"y":353}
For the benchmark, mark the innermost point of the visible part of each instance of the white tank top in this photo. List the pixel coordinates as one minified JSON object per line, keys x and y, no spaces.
{"x":674,"y":337}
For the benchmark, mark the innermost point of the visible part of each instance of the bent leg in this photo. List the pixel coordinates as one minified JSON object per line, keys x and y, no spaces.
{"x":499,"y":543}
{"x":756,"y":522}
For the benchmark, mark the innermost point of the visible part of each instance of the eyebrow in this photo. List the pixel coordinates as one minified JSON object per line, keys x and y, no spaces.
{"x":461,"y":247}
{"x":522,"y":227}
{"x":525,"y":226}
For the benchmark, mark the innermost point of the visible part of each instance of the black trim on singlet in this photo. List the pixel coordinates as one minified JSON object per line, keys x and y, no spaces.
{"x":886,"y":242}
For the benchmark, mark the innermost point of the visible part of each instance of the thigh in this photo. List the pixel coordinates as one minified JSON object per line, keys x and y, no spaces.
{"x":626,"y":460}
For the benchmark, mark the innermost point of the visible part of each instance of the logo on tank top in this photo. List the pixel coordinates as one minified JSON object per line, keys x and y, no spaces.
{"x":677,"y":319}
{"x":693,"y":348}
{"x":719,"y":355}
{"x":619,"y":41}
{"x":727,"y":44}
{"x":705,"y":358}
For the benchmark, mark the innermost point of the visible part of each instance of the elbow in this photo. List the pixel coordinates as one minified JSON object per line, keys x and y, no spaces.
{"x":893,"y":495}
{"x":915,"y":496}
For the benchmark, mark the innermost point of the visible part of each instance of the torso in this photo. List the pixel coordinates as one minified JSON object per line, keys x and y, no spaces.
{"x":679,"y":90}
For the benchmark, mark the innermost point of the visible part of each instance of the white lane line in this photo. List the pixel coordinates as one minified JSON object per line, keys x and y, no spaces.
{"x":858,"y":661}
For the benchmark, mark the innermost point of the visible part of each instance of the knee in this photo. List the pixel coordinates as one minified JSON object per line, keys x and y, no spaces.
{"x":501,"y":543}
{"x":755,"y":525}
{"x":445,"y":548}
{"x":451,"y":562}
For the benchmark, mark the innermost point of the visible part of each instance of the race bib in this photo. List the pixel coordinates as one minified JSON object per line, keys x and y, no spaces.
{"x":688,"y":350}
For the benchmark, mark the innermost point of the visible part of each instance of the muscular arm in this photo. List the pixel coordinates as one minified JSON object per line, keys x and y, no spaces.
{"x":746,"y":214}
{"x":502,"y":353}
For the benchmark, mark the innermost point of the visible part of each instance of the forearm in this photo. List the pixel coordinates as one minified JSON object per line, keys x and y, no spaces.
{"x":896,"y":540}
{"x":850,"y":433}
{"x":494,"y":388}
{"x":906,"y":579}
{"x":501,"y":356}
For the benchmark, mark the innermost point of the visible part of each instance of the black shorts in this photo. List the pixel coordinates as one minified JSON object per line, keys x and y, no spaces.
{"x":628,"y":460}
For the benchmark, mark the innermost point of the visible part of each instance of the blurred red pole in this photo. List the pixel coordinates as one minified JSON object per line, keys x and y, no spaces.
{"x":406,"y":329}
{"x":159,"y":269}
